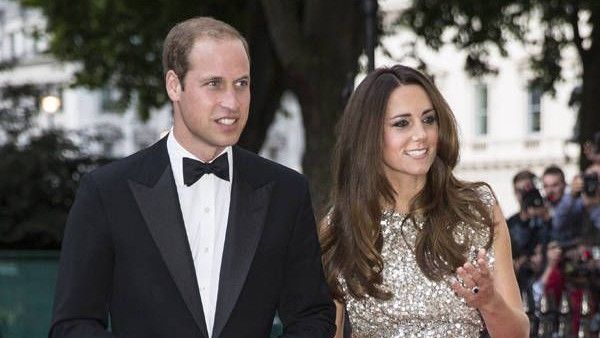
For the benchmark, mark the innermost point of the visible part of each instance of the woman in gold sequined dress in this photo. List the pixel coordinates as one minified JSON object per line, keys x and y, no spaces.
{"x":408,"y":249}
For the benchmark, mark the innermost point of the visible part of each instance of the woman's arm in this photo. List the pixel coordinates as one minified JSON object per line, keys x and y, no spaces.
{"x":495,"y":293}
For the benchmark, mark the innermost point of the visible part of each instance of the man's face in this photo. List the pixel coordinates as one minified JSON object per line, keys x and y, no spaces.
{"x":554,"y":187}
{"x":520,"y":187}
{"x":210,"y":108}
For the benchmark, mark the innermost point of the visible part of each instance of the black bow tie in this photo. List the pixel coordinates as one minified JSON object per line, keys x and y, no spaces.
{"x":193,"y":169}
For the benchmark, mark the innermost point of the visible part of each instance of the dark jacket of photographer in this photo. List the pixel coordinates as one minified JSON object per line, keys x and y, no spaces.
{"x":526,"y":233}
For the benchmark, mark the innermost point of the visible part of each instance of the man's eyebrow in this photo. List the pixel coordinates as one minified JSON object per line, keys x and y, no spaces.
{"x":211,"y":78}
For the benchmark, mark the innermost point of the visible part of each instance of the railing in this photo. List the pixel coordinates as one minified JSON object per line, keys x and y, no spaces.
{"x":27,"y":282}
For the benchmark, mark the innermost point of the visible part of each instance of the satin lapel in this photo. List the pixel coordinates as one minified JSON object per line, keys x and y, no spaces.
{"x":247,"y":213}
{"x":159,"y":206}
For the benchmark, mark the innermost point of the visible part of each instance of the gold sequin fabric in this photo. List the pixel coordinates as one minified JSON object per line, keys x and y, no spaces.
{"x":419,"y":307}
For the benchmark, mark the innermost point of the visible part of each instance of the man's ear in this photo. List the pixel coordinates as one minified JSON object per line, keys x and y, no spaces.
{"x":173,"y":85}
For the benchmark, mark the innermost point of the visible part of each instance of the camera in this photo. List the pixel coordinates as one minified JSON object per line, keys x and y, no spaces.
{"x":590,"y":184}
{"x":532,"y":198}
{"x":580,"y":268}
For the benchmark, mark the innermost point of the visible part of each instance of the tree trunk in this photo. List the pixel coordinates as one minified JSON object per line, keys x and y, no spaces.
{"x":318,"y":44}
{"x":589,"y":114}
{"x":266,"y":79}
{"x":322,"y":105}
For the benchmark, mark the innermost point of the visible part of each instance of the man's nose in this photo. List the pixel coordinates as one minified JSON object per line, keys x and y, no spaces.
{"x":230,"y":100}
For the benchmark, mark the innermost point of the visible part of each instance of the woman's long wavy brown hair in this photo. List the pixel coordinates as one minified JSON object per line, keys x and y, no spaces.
{"x":351,"y":238}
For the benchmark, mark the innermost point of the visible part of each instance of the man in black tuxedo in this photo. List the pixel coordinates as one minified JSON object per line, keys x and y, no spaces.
{"x":194,"y":236}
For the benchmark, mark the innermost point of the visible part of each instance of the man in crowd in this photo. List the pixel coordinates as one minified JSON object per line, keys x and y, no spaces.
{"x":559,"y":203}
{"x":532,"y":223}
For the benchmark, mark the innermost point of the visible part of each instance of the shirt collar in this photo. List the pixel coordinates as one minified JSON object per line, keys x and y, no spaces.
{"x":177,"y":152}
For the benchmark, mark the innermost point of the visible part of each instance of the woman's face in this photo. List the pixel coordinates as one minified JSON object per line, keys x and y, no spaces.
{"x":410,"y":135}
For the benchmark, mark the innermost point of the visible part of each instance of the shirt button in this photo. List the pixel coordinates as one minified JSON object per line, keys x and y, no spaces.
{"x":206,"y":250}
{"x":207,"y":210}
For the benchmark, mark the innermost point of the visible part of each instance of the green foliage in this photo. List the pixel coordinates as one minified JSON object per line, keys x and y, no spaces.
{"x":39,"y":174}
{"x":37,"y":189}
{"x":478,"y":26}
{"x":119,"y":43}
{"x":18,"y":104}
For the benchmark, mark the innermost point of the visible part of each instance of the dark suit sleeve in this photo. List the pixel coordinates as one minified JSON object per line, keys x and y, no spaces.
{"x":85,"y":269}
{"x":306,"y":308}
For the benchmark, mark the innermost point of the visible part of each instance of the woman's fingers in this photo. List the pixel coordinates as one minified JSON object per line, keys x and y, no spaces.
{"x":476,"y":287}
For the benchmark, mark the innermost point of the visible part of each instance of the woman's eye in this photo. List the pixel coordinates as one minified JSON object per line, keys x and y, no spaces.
{"x":401,"y":123}
{"x":431,"y":119}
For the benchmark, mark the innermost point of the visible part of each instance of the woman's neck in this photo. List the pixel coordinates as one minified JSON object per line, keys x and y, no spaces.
{"x":405,"y":191}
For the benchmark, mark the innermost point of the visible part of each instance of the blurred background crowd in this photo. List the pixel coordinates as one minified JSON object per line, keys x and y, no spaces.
{"x":556,"y":247}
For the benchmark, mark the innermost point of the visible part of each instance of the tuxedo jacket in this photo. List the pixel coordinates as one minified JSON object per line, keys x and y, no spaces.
{"x":126,"y":259}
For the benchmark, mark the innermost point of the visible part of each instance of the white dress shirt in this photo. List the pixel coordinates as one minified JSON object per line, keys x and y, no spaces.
{"x":205,"y":209}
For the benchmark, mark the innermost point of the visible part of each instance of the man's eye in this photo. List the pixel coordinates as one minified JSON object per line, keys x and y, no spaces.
{"x":243,"y":83}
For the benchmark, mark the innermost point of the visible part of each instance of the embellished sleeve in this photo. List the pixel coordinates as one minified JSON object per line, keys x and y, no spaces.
{"x":487,"y":196}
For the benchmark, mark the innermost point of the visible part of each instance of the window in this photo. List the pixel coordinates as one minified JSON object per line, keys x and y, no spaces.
{"x":110,"y":100}
{"x":534,"y":111}
{"x":39,"y":43}
{"x":12,"y":43}
{"x":481,"y":109}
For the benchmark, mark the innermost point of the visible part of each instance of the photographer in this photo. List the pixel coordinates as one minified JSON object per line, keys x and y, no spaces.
{"x":586,"y":208}
{"x":556,"y":198}
{"x":530,"y":226}
{"x":576,"y":215}
{"x":560,"y":204}
{"x":591,"y":149}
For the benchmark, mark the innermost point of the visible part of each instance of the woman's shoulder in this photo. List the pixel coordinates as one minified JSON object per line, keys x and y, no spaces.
{"x":485,"y":193}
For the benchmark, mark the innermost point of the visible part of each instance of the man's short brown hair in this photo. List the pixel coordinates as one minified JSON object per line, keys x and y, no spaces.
{"x":523,"y":175}
{"x":181,"y":39}
{"x":554,"y":170}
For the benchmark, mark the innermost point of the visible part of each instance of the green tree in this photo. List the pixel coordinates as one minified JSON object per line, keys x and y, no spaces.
{"x":475,"y":26}
{"x":310,"y":47}
{"x":39,"y":173}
